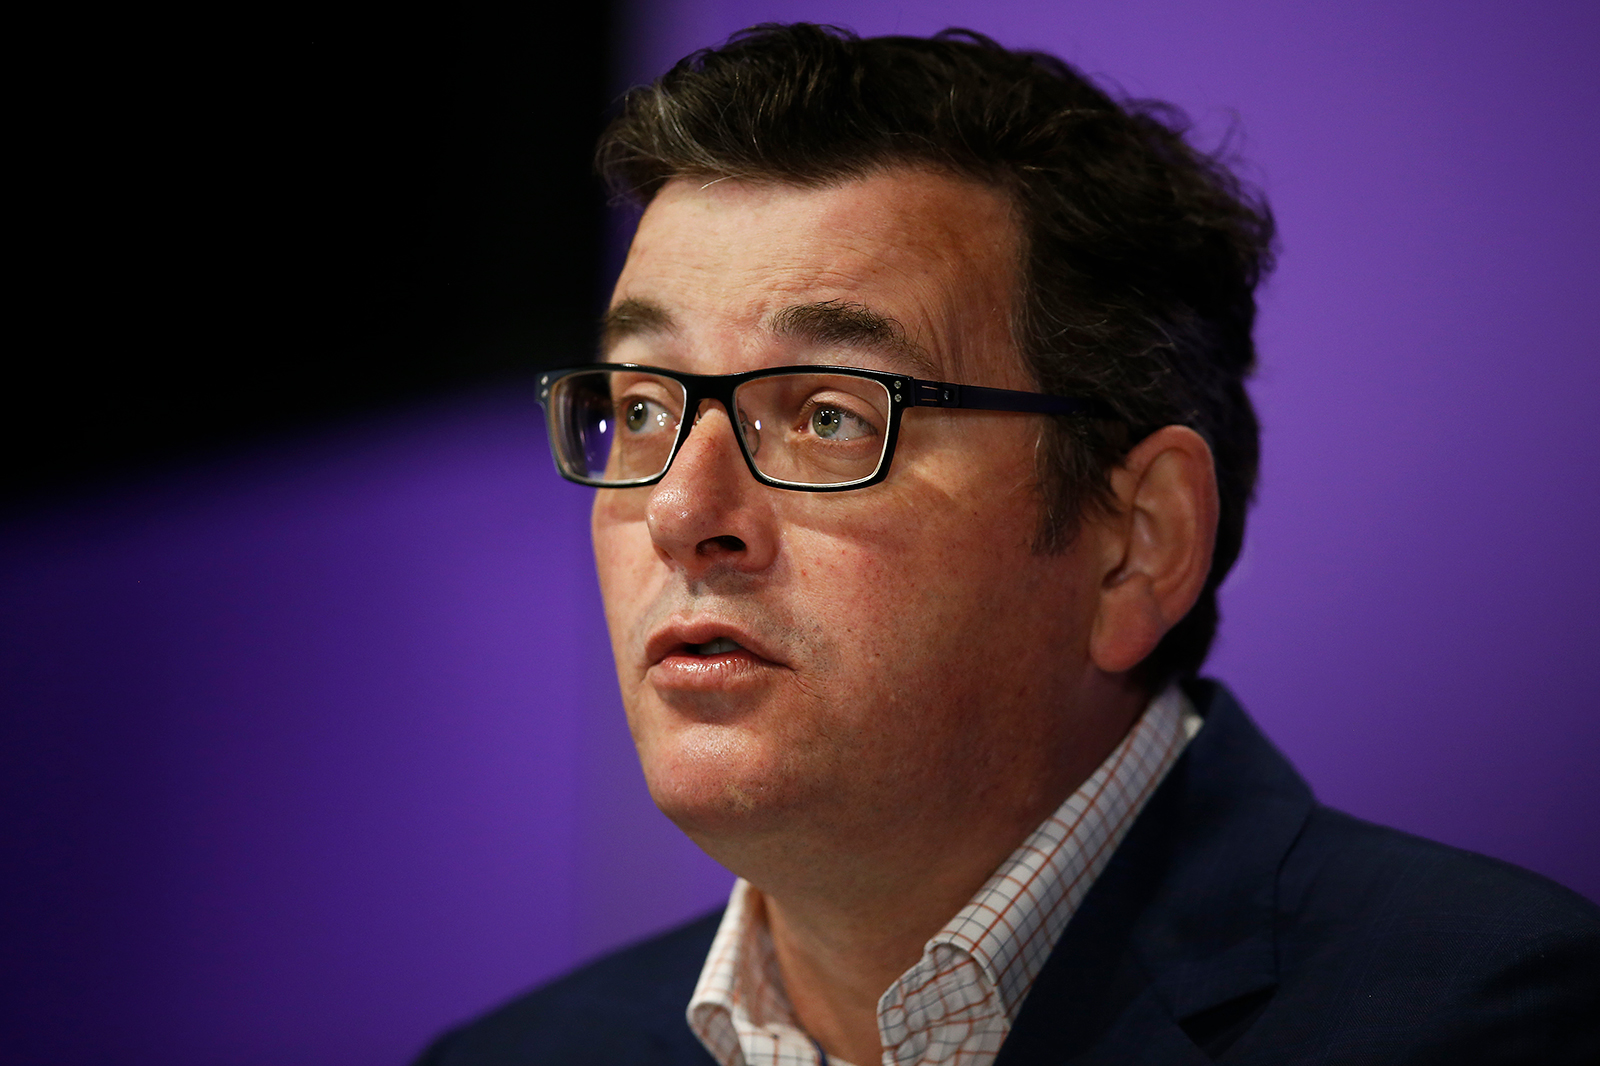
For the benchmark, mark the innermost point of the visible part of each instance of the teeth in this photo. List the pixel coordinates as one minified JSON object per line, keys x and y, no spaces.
{"x":720,"y":646}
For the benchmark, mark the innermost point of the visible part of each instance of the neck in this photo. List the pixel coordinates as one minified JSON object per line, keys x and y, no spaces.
{"x":839,"y":951}
{"x":834,"y":978}
{"x":850,"y":913}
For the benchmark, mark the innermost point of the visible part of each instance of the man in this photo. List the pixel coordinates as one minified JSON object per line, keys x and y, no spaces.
{"x":922,"y":447}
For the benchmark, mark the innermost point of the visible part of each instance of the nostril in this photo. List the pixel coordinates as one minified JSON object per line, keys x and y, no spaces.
{"x":718,"y":545}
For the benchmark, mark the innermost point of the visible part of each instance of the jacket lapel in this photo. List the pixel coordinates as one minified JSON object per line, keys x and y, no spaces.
{"x":1174,"y":943}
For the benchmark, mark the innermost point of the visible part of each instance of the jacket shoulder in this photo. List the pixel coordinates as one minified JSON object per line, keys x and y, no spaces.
{"x":1388,"y":941}
{"x":627,"y":1007}
{"x":1360,"y":869}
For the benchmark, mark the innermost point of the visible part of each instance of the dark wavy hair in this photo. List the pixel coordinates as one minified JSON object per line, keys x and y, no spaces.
{"x":1140,"y":255}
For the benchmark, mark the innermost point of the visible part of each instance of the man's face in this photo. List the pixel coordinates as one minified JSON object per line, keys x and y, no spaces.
{"x":898,"y":653}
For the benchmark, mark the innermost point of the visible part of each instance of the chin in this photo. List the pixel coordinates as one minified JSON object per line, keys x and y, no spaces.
{"x":716,"y":780}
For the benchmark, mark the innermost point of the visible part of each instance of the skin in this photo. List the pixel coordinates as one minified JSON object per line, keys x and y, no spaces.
{"x":916,"y":688}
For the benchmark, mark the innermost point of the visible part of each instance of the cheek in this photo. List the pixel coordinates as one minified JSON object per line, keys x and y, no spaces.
{"x":624,"y":562}
{"x":937,"y":580}
{"x":896,"y":595}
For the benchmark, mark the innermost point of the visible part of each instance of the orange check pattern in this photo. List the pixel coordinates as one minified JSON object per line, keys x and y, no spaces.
{"x":956,"y":1005}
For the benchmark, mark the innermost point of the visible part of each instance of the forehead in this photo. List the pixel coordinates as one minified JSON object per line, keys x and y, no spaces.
{"x":719,"y":268}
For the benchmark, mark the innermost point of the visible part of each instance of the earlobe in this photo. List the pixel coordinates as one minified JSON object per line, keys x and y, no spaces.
{"x":1159,"y":542}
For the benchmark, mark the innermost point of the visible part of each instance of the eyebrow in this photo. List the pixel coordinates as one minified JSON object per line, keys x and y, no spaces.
{"x":832,"y":323}
{"x":633,"y":317}
{"x":849,"y":325}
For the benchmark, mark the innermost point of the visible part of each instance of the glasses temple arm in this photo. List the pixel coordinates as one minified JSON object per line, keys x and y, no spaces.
{"x":981,"y":398}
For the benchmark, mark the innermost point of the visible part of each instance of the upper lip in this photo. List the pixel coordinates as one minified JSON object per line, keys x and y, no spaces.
{"x":680,"y":633}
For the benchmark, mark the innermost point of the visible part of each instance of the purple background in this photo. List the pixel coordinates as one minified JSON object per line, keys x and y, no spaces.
{"x":311,"y":749}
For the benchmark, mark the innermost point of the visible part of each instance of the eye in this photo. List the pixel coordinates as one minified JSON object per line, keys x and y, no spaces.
{"x":835,"y":423}
{"x":641,"y":416}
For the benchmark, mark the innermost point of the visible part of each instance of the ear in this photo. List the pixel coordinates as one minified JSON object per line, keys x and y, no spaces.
{"x":1157,"y":545}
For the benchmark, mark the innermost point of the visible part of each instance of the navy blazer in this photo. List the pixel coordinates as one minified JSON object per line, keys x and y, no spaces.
{"x":1239,"y":922}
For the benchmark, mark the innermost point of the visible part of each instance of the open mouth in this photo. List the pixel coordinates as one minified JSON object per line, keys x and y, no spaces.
{"x":708,"y":662}
{"x":720,"y":646}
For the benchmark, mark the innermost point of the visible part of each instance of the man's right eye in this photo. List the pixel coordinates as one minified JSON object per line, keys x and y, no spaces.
{"x":642,"y":416}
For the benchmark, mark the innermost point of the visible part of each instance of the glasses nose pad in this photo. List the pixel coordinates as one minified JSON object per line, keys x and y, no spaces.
{"x":706,"y":405}
{"x":749,"y":431}
{"x":700,"y":412}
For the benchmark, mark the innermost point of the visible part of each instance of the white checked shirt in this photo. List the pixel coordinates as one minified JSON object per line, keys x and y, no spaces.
{"x":956,"y":1005}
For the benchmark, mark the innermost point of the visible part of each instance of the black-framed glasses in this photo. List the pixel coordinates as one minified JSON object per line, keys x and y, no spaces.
{"x":811,"y":428}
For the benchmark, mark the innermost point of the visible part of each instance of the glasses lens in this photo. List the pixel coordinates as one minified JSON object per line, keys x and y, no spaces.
{"x":614,"y":426}
{"x":814,"y":429}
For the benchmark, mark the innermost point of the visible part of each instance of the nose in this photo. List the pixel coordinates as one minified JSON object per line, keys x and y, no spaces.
{"x":708,"y":513}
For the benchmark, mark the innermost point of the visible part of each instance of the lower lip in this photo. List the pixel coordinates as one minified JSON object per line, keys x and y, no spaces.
{"x":722,"y":672}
